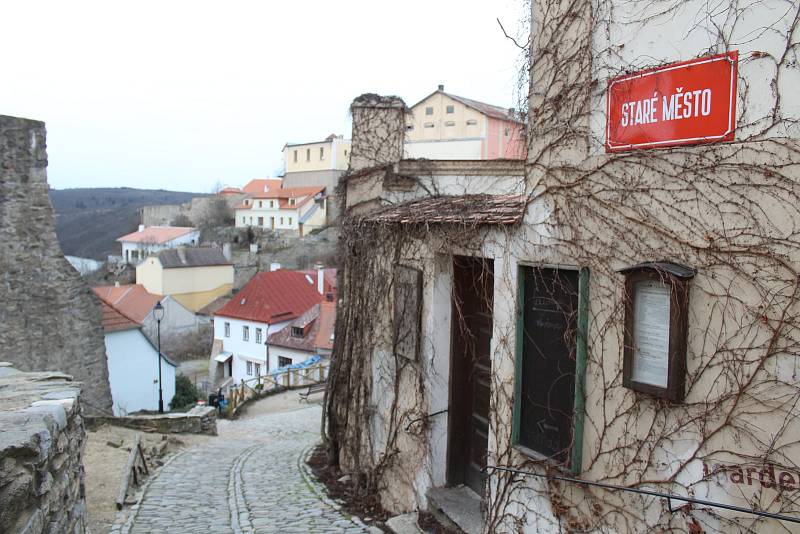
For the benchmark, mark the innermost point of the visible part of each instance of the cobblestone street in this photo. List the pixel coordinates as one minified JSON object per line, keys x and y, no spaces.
{"x":251,"y":478}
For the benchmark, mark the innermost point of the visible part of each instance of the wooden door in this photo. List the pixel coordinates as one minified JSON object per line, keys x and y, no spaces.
{"x":470,"y":384}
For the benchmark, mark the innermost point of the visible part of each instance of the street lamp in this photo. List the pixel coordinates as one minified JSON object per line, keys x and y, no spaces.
{"x":158,"y":313}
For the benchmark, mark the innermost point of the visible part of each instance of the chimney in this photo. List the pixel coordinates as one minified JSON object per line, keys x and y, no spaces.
{"x":379,"y":127}
{"x":226,"y":251}
{"x":441,"y":87}
{"x":116,"y":284}
{"x":181,"y":254}
{"x":321,"y":281}
{"x":141,"y":228}
{"x":274,"y":266}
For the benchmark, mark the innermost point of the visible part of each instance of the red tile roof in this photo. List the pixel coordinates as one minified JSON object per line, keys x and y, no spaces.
{"x":256,"y":186}
{"x":317,"y":324}
{"x":114,"y":321}
{"x":230,"y":191}
{"x":131,"y":299}
{"x":273,"y":297}
{"x":157,"y":234}
{"x":327,"y":322}
{"x":465,"y":209}
{"x":302,"y":196}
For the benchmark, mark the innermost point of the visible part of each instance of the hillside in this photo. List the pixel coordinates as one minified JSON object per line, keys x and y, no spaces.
{"x":88,"y":221}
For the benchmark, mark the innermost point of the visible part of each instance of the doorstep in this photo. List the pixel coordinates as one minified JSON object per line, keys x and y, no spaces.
{"x":457,"y":507}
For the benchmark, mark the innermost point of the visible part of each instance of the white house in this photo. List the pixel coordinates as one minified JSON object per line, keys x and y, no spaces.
{"x":299,"y":209}
{"x":267,"y":304}
{"x":133,"y":365}
{"x":138,"y":245}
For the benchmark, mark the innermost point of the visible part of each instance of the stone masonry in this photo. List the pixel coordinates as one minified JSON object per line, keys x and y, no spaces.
{"x":41,"y":449}
{"x":49,"y":320}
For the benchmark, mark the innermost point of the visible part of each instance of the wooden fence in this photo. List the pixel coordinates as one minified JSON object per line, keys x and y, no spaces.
{"x":286,"y":379}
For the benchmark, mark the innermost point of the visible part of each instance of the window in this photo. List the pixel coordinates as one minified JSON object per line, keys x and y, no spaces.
{"x":245,"y":333}
{"x":281,"y":220}
{"x":261,"y":221}
{"x":292,"y":201}
{"x":656,"y":303}
{"x":429,"y":111}
{"x":345,"y":152}
{"x":472,"y":122}
{"x":227,"y":329}
{"x":258,"y":369}
{"x":451,"y":109}
{"x":258,"y":335}
{"x":308,"y":154}
{"x":290,"y":221}
{"x":450,"y":123}
{"x":251,"y":220}
{"x":428,"y":125}
{"x":244,"y":220}
{"x":249,"y":368}
{"x":259,"y":204}
{"x":295,"y":156}
{"x":321,"y":153}
{"x":271,"y":204}
{"x":410,"y":128}
{"x":297,"y":331}
{"x":506,"y":132}
{"x":547,"y":350}
{"x":283,"y":362}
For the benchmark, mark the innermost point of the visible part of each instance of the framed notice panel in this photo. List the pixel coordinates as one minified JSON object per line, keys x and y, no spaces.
{"x":684,"y":103}
{"x":656,"y":302}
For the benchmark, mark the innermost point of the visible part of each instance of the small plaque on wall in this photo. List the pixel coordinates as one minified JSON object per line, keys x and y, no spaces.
{"x":656,"y":309}
{"x":407,"y":311}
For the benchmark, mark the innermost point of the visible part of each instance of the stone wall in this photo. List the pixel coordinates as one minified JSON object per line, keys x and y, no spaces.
{"x":196,"y":210}
{"x":198,"y":420}
{"x":41,"y":448}
{"x":49,"y":320}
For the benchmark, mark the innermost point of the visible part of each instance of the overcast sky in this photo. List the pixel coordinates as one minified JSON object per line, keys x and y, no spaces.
{"x":184,"y":94}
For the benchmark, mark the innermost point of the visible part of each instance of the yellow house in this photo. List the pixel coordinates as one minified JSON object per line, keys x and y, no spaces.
{"x":194,"y":276}
{"x":331,"y":154}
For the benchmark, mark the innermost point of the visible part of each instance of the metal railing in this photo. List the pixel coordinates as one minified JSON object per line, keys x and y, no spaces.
{"x":668,"y":496}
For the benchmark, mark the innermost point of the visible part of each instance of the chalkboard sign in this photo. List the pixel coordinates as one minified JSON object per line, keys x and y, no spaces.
{"x":549,"y":319}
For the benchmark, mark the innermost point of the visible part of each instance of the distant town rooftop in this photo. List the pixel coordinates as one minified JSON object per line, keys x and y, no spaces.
{"x":156,"y":235}
{"x":182,"y":257}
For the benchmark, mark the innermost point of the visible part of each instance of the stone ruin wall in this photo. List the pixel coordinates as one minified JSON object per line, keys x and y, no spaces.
{"x":49,"y":321}
{"x":41,"y":451}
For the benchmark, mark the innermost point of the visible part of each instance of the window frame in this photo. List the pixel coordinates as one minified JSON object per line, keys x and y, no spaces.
{"x":227,"y":329}
{"x":258,"y":337}
{"x":428,"y":110}
{"x":284,"y":359}
{"x":574,"y":463}
{"x":677,"y":278}
{"x":245,"y":333}
{"x":450,"y":109}
{"x":249,"y":368}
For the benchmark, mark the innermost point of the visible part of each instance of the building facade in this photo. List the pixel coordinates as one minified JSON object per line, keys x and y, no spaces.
{"x":317,"y":163}
{"x":444,"y":126}
{"x":148,"y":240}
{"x":610,"y":312}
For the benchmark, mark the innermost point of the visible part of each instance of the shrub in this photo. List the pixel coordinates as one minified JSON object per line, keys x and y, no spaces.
{"x":186,"y":394}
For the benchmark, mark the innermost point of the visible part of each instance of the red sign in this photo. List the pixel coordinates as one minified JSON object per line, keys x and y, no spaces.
{"x":683,"y":103}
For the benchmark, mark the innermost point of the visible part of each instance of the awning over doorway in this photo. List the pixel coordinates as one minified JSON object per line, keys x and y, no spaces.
{"x":223,"y":356}
{"x":464,"y":209}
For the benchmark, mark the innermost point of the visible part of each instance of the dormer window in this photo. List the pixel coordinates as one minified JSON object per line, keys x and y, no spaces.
{"x":297,"y":331}
{"x":292,"y":201}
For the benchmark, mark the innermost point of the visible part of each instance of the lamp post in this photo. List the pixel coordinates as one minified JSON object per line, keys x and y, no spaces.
{"x":158,"y":313}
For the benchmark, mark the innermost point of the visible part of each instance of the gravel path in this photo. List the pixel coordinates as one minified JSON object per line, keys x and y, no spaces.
{"x":251,"y":478}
